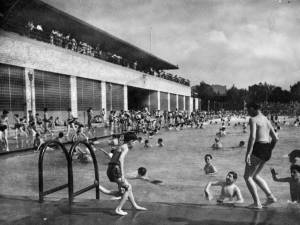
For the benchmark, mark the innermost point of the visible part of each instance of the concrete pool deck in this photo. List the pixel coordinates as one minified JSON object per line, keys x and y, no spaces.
{"x":25,"y":211}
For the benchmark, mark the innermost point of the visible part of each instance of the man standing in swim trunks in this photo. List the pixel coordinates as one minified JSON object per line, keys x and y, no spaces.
{"x":259,"y":151}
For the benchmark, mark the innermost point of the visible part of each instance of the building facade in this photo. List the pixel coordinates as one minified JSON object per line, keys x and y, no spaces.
{"x":35,"y":74}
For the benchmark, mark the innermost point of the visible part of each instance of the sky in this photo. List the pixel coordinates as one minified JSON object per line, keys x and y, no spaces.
{"x":226,"y":42}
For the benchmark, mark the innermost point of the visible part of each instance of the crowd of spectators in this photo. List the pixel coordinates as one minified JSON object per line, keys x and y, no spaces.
{"x":68,"y":41}
{"x":281,"y":109}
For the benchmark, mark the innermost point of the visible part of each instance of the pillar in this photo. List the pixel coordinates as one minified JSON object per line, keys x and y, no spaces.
{"x":200,"y":104}
{"x":126,"y":97}
{"x":73,"y":88}
{"x":196,"y":104}
{"x":169,"y":102}
{"x":184,"y":103}
{"x":103,"y":98}
{"x":191,"y":104}
{"x":149,"y":101}
{"x":29,"y":91}
{"x":177,"y":104}
{"x":158,"y":100}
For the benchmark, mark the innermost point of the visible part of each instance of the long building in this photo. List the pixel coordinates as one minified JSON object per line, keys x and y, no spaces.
{"x":51,"y":59}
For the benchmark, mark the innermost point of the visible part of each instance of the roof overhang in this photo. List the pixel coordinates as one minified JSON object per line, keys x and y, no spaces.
{"x":51,"y":18}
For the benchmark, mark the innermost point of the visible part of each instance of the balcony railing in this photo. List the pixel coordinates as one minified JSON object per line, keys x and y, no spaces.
{"x":57,"y":38}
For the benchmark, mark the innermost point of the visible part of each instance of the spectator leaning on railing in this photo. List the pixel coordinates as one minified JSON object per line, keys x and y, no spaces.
{"x":68,"y":42}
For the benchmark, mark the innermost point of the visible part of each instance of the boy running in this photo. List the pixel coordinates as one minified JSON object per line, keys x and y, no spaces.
{"x":116,"y":173}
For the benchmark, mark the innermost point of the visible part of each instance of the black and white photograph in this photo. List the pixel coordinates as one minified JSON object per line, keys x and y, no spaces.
{"x":149,"y":112}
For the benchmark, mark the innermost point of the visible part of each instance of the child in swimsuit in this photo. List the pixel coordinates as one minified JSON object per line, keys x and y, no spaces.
{"x":46,"y":122}
{"x":147,"y":144}
{"x":209,"y":169}
{"x":142,"y":175}
{"x":230,"y":192}
{"x":90,"y":118}
{"x":294,"y":157}
{"x":19,"y":126}
{"x":293,"y":180}
{"x":116,"y":174}
{"x":160,"y":142}
{"x":70,"y":122}
{"x":4,"y":126}
{"x":217,"y":145}
{"x":31,"y":124}
{"x":38,"y":141}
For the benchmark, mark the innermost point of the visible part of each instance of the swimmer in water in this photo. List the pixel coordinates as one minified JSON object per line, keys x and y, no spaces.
{"x":230,"y":192}
{"x":293,"y":180}
{"x":209,"y":169}
{"x":142,"y":175}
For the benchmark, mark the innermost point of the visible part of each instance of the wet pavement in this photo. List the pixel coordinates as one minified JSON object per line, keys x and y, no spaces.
{"x":25,"y":211}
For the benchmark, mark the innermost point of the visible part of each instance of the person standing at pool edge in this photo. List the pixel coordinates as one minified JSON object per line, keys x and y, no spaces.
{"x":116,"y":174}
{"x":259,"y":151}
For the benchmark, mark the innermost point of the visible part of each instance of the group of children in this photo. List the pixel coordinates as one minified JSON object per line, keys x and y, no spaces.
{"x":230,"y":192}
{"x":114,"y":142}
{"x":217,"y":145}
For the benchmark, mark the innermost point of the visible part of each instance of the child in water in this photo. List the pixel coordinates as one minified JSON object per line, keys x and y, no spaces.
{"x":147,"y":144}
{"x":38,"y":141}
{"x":293,"y":180}
{"x":160,"y":142}
{"x":230,"y":192}
{"x":209,"y":169}
{"x":294,"y":157}
{"x":217,"y":145}
{"x":142,"y":175}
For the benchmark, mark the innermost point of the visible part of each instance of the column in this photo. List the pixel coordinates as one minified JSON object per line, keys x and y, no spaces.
{"x":169,"y":102}
{"x":196,"y":103}
{"x":177,"y":105}
{"x":29,"y":91}
{"x":158,"y":100}
{"x":73,"y":89}
{"x":126,"y":98}
{"x":149,"y":101}
{"x":191,"y":104}
{"x":184,"y":103}
{"x":200,"y":103}
{"x":103,"y":98}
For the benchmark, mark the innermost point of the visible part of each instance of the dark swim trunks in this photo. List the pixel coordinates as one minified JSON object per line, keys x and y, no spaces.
{"x":114,"y":175}
{"x":70,"y":121}
{"x":18,"y":125}
{"x":3,"y":127}
{"x":114,"y":172}
{"x":262,"y":151}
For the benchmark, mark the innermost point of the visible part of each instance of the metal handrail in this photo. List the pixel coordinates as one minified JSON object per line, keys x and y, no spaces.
{"x":70,"y":184}
{"x":96,"y":181}
{"x":43,"y":149}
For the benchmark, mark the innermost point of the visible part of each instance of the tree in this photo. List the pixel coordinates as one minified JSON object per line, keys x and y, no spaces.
{"x":260,"y":92}
{"x":295,"y":91}
{"x":279,"y":95}
{"x":235,"y":98}
{"x":205,"y":92}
